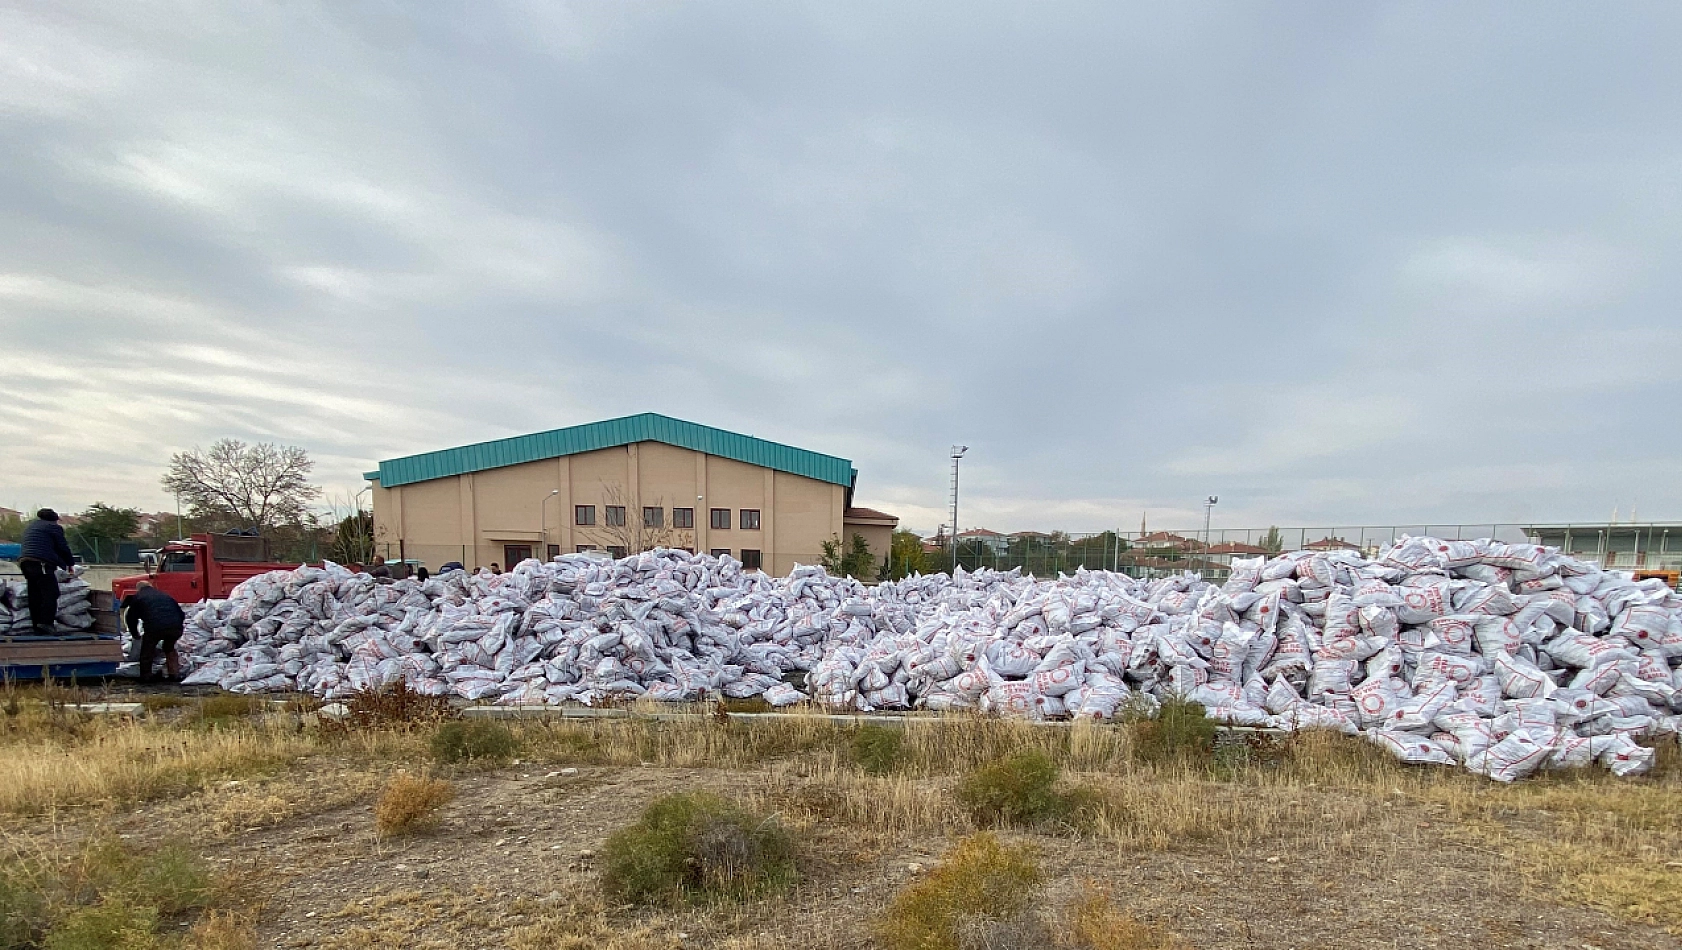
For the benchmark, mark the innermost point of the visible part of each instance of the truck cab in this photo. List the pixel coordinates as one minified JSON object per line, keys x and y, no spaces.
{"x":205,"y":567}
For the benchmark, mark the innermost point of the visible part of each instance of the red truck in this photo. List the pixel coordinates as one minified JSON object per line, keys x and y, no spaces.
{"x":207,"y":567}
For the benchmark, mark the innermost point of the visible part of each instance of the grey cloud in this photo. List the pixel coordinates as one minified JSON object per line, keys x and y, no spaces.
{"x":1372,"y":263}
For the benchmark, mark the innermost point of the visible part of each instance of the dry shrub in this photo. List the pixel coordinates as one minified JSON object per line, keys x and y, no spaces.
{"x":698,"y":847}
{"x":979,"y":878}
{"x":1092,"y":921}
{"x":1023,"y":930}
{"x":395,"y":707}
{"x":217,"y":930}
{"x":409,"y":804}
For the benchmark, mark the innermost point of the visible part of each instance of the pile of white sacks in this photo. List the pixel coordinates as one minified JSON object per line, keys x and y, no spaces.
{"x":1505,"y":658}
{"x":75,"y":606}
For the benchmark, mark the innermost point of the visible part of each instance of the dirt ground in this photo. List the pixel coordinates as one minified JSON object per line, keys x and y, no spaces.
{"x":513,"y":865}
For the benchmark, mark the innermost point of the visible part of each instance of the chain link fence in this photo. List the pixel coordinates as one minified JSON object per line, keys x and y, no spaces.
{"x":1151,"y":554}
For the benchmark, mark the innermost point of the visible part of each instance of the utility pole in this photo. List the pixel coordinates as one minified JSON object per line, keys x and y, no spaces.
{"x":957,"y":453}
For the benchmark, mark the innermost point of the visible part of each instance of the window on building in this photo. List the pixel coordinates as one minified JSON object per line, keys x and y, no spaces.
{"x":615,"y":516}
{"x":720,"y":552}
{"x":654,"y":517}
{"x":683,"y":517}
{"x":750,"y":519}
{"x":584,"y":514}
{"x":513,"y":554}
{"x":750,"y":559}
{"x":580,"y":549}
{"x":721,"y":519}
{"x":615,"y":551}
{"x":554,"y":551}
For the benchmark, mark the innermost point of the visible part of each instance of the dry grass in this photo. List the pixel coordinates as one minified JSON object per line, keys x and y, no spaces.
{"x":409,"y":804}
{"x":219,"y":930}
{"x":1092,"y":921}
{"x":124,"y":763}
{"x":1584,"y":837}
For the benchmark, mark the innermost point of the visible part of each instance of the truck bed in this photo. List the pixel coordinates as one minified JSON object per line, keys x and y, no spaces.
{"x":33,"y":658}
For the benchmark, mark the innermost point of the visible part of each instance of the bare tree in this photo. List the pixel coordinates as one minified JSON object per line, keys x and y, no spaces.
{"x":256,"y":486}
{"x":636,"y":534}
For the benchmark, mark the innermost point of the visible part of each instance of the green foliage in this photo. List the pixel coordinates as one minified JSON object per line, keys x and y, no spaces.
{"x":24,"y":911}
{"x":1018,"y":790}
{"x":11,"y":527}
{"x":698,"y":848}
{"x":907,"y":557}
{"x":1273,"y":542}
{"x":979,"y":878}
{"x":877,"y":749}
{"x":111,"y":924}
{"x":169,"y":880}
{"x":474,"y":740}
{"x":353,"y":539}
{"x":228,"y":707}
{"x":106,"y":524}
{"x":856,"y":562}
{"x":106,"y":896}
{"x":1180,"y":733}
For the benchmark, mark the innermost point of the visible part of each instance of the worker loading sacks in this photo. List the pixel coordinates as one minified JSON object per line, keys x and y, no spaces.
{"x":1504,"y":658}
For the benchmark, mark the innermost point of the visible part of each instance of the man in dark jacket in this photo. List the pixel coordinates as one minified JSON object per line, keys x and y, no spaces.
{"x":158,"y":619}
{"x":44,"y":551}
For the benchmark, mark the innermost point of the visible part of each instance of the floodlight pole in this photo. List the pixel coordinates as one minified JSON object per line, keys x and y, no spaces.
{"x":1208,"y":508}
{"x":957,"y":453}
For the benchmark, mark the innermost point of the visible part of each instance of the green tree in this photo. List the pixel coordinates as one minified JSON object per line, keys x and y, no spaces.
{"x":353,"y":539}
{"x":11,"y":527}
{"x":906,"y":557}
{"x":99,"y":528}
{"x":856,"y":562}
{"x":1273,"y":543}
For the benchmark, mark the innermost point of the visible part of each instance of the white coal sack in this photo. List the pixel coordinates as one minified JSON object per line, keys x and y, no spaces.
{"x":1503,"y":658}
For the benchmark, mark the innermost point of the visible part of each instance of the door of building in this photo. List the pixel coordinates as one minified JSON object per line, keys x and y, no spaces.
{"x":513,"y":554}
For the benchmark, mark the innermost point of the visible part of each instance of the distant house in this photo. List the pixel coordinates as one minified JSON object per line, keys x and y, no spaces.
{"x":1224,"y":552}
{"x":1029,"y":538}
{"x":991,"y":540}
{"x":1331,"y":544}
{"x":1165,"y":540}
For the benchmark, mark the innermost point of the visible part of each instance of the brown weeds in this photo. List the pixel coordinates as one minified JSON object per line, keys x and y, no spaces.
{"x":409,"y":804}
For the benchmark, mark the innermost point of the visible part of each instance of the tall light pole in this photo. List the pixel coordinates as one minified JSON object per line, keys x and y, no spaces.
{"x":957,"y":453}
{"x":543,"y":507}
{"x":1208,"y":508}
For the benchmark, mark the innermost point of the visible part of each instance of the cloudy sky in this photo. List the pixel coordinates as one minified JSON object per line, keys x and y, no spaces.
{"x":1337,"y":263}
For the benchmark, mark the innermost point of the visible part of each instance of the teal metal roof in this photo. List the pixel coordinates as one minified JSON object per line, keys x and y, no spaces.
{"x":645,"y":427}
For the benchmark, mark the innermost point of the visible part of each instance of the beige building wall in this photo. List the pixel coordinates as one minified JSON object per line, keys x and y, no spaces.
{"x":880,"y":537}
{"x":474,"y":518}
